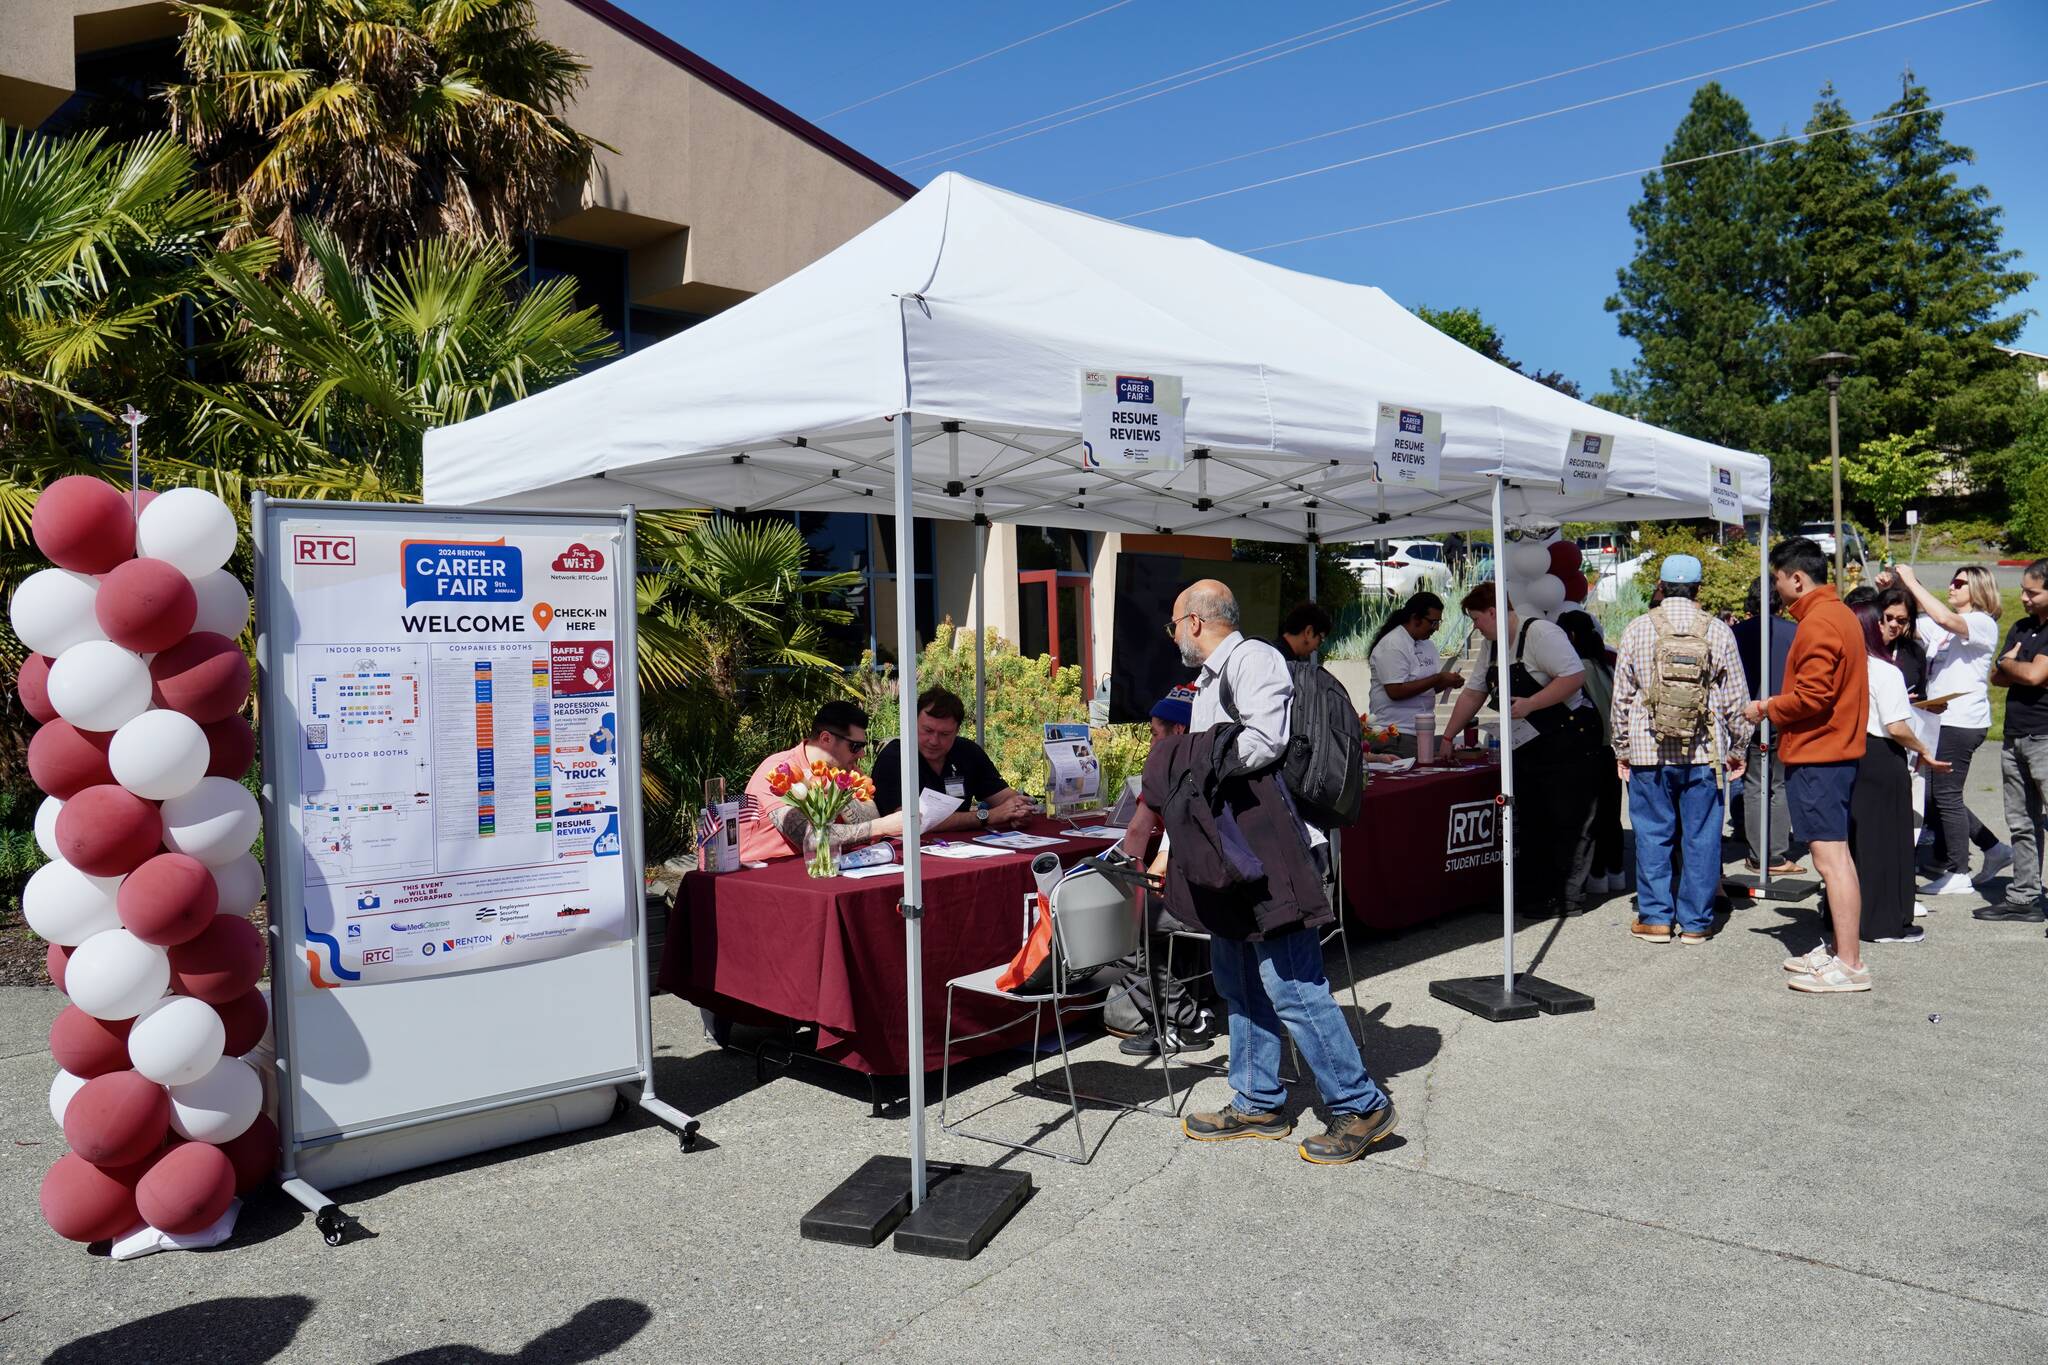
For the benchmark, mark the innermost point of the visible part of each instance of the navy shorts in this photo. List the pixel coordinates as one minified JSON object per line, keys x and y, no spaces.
{"x":1819,"y":795}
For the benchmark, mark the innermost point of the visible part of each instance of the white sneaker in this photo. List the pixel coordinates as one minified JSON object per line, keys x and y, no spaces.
{"x":1919,"y":910}
{"x":1813,"y":959}
{"x":1996,"y":859}
{"x":1914,"y":934}
{"x":1835,"y":978}
{"x":1949,"y":884}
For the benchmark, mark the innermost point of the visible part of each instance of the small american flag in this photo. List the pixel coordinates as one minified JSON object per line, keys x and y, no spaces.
{"x":750,"y":808}
{"x":708,"y":825}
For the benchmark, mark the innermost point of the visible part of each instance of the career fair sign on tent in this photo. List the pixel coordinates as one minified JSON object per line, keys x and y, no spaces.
{"x":1130,"y":421}
{"x":456,"y":745}
{"x":1724,"y":495}
{"x":1409,"y":445}
{"x":1586,"y":456}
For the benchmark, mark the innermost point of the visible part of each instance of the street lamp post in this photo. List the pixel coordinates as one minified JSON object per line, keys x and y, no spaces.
{"x":1835,"y":361}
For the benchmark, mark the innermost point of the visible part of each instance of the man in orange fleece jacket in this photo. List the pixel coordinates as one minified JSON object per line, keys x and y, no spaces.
{"x":1820,"y":718}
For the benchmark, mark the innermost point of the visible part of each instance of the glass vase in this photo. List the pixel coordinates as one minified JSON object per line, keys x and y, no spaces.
{"x":821,"y":851}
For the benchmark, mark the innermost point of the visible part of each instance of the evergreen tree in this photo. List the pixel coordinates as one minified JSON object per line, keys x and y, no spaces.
{"x":1699,"y":296}
{"x":1467,"y":326}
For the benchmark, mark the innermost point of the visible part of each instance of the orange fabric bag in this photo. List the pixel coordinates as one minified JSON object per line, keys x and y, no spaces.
{"x":1032,"y":966}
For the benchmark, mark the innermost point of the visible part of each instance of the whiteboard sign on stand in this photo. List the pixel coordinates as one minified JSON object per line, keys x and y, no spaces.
{"x":451,"y":759}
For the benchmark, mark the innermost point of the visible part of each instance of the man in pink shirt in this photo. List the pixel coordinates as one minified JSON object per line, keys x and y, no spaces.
{"x":770,"y":828}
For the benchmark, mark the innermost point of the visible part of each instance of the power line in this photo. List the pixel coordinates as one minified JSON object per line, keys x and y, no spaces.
{"x":1446,"y":104}
{"x":1647,"y":170}
{"x":992,"y":52}
{"x":1146,"y":85}
{"x":1551,"y":113}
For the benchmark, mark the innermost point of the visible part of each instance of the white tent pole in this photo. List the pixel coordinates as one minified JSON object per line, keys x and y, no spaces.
{"x":906,"y":748}
{"x":1501,"y":648}
{"x":980,"y":624}
{"x":1762,"y":779}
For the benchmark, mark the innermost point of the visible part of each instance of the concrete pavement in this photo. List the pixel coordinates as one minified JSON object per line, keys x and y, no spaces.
{"x":1707,"y":1167}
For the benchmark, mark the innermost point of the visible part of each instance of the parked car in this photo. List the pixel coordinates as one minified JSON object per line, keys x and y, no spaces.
{"x":1600,"y":551}
{"x":1410,"y":567}
{"x":1822,"y":533}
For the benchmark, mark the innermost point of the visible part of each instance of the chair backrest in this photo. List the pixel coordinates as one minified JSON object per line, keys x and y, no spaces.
{"x":1094,"y":921}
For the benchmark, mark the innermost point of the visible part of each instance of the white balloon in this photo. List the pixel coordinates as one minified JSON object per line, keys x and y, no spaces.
{"x":188,"y":527}
{"x":218,"y":1106}
{"x":1545,"y":593}
{"x":268,"y":1042}
{"x":159,"y":755}
{"x":46,"y":826}
{"x":240,"y":884}
{"x":61,"y":1090}
{"x":115,"y":975}
{"x":215,"y":822}
{"x":177,"y":1040}
{"x":97,"y":685}
{"x":1527,"y":558}
{"x":64,"y":905}
{"x":52,"y":610}
{"x":223,"y":604}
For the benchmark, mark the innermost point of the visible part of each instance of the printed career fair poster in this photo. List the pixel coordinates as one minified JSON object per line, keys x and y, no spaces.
{"x":458,"y":765}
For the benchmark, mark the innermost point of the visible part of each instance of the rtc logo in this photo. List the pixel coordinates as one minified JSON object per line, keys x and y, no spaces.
{"x":328,"y":550}
{"x":579,"y":559}
{"x":1471,"y":827}
{"x":371,"y":955}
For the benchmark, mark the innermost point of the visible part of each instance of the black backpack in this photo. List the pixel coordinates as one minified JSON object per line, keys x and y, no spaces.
{"x":1324,"y":766}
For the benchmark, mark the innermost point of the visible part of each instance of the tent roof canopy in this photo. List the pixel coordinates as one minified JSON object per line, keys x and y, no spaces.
{"x":975,"y":310}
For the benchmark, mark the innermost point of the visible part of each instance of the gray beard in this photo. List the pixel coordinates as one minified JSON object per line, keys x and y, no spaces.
{"x":1188,"y":655}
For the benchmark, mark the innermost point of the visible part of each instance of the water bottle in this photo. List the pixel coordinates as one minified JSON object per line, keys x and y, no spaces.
{"x":1425,"y":737}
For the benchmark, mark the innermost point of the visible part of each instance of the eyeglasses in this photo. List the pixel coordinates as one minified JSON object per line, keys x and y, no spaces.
{"x":1173,"y":623}
{"x":857,"y":745}
{"x":1433,"y":621}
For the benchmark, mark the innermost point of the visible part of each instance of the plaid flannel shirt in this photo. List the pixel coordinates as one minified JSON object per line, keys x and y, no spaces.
{"x":1634,"y":668}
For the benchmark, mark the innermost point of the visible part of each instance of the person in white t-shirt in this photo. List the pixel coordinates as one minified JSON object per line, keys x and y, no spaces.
{"x":1960,"y":636}
{"x":1881,"y":810}
{"x":1407,"y":672}
{"x":1553,"y":747}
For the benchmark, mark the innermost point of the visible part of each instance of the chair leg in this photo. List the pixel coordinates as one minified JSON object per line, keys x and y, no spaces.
{"x":1153,"y":983}
{"x":1351,"y":976}
{"x":946,"y":1060}
{"x":1073,"y":1097}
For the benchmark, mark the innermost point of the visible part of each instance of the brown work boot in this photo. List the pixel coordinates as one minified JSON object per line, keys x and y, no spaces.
{"x":1232,"y":1122}
{"x":1651,"y":933}
{"x":1349,"y":1135}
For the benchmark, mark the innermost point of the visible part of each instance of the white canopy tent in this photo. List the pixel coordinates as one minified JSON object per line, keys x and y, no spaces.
{"x":931,"y":366}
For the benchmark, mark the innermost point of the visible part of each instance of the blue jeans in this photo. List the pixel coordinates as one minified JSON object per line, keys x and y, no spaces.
{"x":1281,"y":980}
{"x":1676,"y":809}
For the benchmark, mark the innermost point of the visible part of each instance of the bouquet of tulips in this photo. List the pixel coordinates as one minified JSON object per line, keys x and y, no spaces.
{"x":821,"y":792}
{"x":1372,"y":736}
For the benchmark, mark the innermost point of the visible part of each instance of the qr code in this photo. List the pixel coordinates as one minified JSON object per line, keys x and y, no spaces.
{"x":316,"y":735}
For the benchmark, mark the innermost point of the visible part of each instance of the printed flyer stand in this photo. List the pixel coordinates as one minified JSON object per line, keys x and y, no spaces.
{"x":451,"y":746}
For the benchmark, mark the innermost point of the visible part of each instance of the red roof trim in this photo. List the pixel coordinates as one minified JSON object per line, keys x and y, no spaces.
{"x":746,"y":94}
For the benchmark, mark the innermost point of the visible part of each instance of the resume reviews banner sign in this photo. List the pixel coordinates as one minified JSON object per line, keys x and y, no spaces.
{"x":1408,"y":447}
{"x":1130,"y":420}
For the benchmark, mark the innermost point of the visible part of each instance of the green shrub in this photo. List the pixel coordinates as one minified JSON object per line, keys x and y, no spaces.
{"x":1727,"y":579}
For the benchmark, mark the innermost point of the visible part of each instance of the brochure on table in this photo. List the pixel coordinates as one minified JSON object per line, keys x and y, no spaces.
{"x":1073,"y":773}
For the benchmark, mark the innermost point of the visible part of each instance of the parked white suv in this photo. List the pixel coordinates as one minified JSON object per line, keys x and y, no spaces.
{"x":1410,"y":567}
{"x":1822,"y":533}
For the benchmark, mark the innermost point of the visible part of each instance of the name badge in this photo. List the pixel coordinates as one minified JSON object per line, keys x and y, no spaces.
{"x":956,"y":787}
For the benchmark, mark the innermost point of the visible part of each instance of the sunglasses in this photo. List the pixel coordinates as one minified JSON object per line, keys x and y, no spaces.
{"x":857,"y":745}
{"x":1899,"y":621}
{"x":1959,"y":582}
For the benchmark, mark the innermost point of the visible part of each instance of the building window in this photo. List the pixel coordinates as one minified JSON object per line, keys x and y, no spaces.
{"x":848,"y":542}
{"x":646,"y":326}
{"x":1052,"y":547}
{"x":599,"y":272}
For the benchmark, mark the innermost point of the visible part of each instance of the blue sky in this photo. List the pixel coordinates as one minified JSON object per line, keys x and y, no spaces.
{"x":1539,"y":268}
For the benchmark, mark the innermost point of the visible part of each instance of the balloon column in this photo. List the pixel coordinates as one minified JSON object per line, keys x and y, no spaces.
{"x":1544,"y":574}
{"x":139,"y":686}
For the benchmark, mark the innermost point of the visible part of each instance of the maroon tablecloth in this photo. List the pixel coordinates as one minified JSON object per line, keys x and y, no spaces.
{"x":1426,"y":844}
{"x":772,"y":941}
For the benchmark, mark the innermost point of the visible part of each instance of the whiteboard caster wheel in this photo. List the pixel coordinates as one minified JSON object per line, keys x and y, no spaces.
{"x":690,"y":1136}
{"x":333,"y":1225}
{"x":619,"y":1107}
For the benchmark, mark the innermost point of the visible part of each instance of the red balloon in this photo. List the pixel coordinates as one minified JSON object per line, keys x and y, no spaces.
{"x":89,"y":1047}
{"x":64,"y":760}
{"x":253,"y":1153}
{"x":55,"y":958}
{"x":169,"y":900}
{"x":108,"y":831}
{"x":146,"y":605}
{"x":118,"y":1118}
{"x":232,"y":744}
{"x":84,"y":524}
{"x":204,"y":675}
{"x":33,"y":685}
{"x":245,"y":1017}
{"x":1575,"y":586}
{"x":83,"y":1203}
{"x":1564,"y":557}
{"x":225,"y":959}
{"x":188,"y":1188}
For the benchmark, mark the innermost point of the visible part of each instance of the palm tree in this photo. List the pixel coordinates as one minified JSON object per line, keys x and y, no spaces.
{"x":339,"y":383}
{"x":388,"y":121}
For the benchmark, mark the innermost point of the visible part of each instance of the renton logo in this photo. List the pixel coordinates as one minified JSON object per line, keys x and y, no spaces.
{"x":1471,"y":827}
{"x":323,"y":549}
{"x":1411,"y":422}
{"x":1130,"y":389}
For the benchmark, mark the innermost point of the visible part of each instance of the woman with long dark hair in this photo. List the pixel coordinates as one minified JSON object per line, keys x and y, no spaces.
{"x":1881,"y":811}
{"x":1407,"y":671}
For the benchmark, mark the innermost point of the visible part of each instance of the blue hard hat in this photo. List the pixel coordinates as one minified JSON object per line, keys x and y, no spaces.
{"x":1680,"y":569}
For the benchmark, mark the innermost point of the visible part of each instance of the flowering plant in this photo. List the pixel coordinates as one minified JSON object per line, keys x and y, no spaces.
{"x":821,"y":792}
{"x":1371,"y":736}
